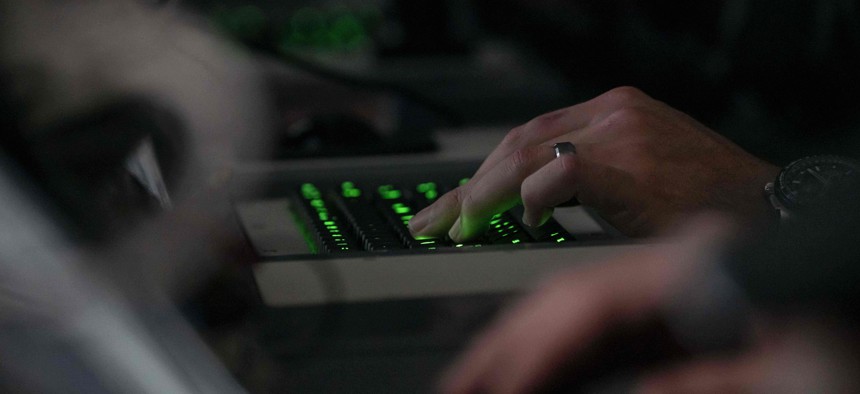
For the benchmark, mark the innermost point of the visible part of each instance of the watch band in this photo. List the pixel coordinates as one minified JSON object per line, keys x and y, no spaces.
{"x":770,"y":194}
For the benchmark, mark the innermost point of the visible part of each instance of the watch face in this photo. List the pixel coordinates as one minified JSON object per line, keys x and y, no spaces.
{"x":805,"y":181}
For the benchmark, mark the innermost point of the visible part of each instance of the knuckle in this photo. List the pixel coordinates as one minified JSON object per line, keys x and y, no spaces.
{"x":514,"y":137}
{"x":625,"y":95}
{"x":519,"y":161}
{"x":629,"y":118}
{"x":542,"y":122}
{"x":456,"y":196}
{"x":467,"y":205}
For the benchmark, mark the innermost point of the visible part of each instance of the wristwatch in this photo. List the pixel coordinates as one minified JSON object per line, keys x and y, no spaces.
{"x":804,"y":182}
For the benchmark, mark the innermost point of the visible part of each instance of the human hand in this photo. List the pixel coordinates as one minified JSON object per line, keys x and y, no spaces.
{"x":554,"y":328}
{"x":555,"y":335}
{"x":640,"y":163}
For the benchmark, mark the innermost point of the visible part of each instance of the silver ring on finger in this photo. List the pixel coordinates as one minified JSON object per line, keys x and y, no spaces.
{"x":564,"y":148}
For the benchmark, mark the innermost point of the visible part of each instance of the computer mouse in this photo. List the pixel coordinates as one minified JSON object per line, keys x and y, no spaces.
{"x":336,"y":132}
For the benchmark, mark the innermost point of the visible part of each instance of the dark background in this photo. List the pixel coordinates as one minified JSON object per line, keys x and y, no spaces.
{"x":778,"y":77}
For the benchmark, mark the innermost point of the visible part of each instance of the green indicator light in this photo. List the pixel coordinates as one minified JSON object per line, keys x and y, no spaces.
{"x":458,"y":245}
{"x":553,"y":234}
{"x":347,"y":185}
{"x":407,"y":218}
{"x":324,"y":216}
{"x":309,"y":191}
{"x":428,"y":243}
{"x":352,"y":193}
{"x":388,"y":192}
{"x":329,"y":223}
{"x":431,"y":194}
{"x":560,"y":240}
{"x":391,"y":195}
{"x":423,"y":238}
{"x":426,"y":187}
{"x":516,"y":241}
{"x":317,"y":203}
{"x":497,"y":226}
{"x":464,"y":181}
{"x":401,"y":210}
{"x":477,"y":245}
{"x":433,"y":248}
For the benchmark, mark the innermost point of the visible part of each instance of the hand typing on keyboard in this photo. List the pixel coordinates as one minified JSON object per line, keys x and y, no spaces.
{"x":348,"y":217}
{"x":640,"y":163}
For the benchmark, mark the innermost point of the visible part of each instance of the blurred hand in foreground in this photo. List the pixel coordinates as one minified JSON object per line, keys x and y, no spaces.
{"x":546,"y":341}
{"x":642,"y":164}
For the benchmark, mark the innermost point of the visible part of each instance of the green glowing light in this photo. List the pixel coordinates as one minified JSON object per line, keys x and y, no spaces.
{"x":458,"y":245}
{"x":310,"y":192}
{"x":401,"y":209}
{"x":388,"y":192}
{"x":426,"y":187}
{"x":352,"y":193}
{"x":516,"y":241}
{"x":560,"y":240}
{"x":349,"y":190}
{"x":431,"y":195}
{"x":464,"y":181}
{"x":348,"y":32}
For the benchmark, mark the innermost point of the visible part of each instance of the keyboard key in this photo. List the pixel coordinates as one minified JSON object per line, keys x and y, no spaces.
{"x":347,"y":217}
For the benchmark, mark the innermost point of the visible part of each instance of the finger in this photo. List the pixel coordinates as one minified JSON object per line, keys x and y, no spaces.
{"x":512,"y":358}
{"x":575,"y":176}
{"x":556,"y":124}
{"x":439,"y":217}
{"x":497,"y":191}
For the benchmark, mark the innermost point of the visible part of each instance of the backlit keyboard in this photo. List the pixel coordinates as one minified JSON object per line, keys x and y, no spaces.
{"x":349,"y":217}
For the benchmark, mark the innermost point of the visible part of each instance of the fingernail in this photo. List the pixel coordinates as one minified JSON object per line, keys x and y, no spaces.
{"x":532,"y":219}
{"x":529,"y":218}
{"x":419,"y":222}
{"x":455,"y":231}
